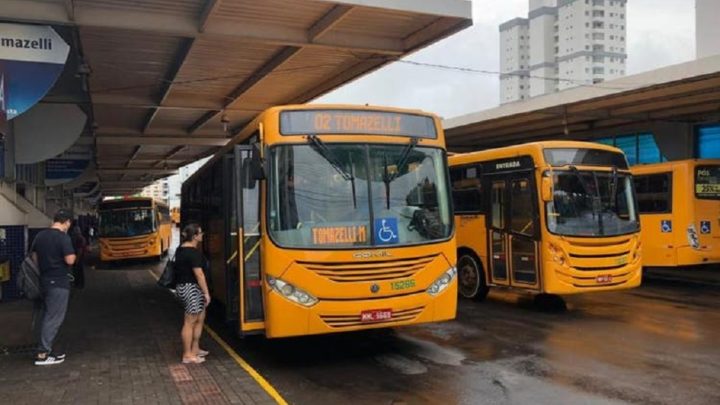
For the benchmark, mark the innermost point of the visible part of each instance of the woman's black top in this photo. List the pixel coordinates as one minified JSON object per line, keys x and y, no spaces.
{"x":186,"y":259}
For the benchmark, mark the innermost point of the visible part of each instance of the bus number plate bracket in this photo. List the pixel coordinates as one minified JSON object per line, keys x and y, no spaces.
{"x":604,"y":278}
{"x":376,"y":315}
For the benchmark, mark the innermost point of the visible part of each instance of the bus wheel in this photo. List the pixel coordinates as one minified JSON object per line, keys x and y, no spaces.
{"x":471,"y":278}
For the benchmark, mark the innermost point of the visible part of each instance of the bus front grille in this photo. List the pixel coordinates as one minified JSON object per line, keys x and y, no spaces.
{"x":600,"y":255}
{"x":350,"y":272}
{"x":350,"y":320}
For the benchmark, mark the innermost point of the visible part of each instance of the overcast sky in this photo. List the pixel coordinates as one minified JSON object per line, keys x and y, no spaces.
{"x":659,"y":33}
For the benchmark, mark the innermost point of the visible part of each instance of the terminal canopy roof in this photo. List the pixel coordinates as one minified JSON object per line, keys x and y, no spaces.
{"x":687,"y":93}
{"x":172,"y":80}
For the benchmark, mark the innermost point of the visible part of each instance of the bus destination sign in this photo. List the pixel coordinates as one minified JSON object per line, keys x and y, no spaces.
{"x":707,"y":182}
{"x":356,"y":122}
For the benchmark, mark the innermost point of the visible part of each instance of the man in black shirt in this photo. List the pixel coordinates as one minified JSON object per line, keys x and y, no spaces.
{"x":54,"y":254}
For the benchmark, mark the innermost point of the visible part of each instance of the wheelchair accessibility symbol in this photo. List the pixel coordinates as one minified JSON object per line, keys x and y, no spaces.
{"x":705,"y":227}
{"x":386,"y":231}
{"x":666,"y":226}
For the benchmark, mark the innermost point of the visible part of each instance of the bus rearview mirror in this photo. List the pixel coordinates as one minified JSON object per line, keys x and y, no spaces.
{"x":546,"y":189}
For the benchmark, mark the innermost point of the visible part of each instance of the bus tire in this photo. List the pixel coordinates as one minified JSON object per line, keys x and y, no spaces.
{"x":471,"y":277}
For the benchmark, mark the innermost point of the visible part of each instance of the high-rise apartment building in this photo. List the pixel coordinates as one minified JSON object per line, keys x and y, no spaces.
{"x":158,"y":191}
{"x":562,"y":44}
{"x":707,"y":29}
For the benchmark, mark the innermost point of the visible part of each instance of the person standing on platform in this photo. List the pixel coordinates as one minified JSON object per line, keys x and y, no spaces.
{"x":53,"y":252}
{"x":192,"y":290}
{"x":81,"y":248}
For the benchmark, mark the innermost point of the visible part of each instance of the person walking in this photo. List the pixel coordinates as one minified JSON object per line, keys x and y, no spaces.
{"x":192,"y":290}
{"x":54,"y":254}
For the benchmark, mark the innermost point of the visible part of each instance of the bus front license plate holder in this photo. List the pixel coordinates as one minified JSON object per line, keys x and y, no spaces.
{"x":604,"y":278}
{"x":376,"y":315}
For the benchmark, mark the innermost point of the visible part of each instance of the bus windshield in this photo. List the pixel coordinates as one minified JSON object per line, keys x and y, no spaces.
{"x":592,"y":203}
{"x":357,"y":195}
{"x":125,"y":223}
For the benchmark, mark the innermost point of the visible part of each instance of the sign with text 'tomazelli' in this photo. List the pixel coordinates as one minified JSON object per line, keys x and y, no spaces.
{"x":31,"y":59}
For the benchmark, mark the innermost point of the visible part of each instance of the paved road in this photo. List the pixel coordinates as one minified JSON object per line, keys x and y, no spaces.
{"x":657,"y":344}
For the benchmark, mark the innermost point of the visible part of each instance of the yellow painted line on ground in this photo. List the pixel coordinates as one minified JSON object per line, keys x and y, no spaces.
{"x":241,"y":362}
{"x":247,"y":367}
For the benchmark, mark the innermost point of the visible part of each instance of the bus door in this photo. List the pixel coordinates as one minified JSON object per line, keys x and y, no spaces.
{"x":246,"y":238}
{"x":512,"y":229}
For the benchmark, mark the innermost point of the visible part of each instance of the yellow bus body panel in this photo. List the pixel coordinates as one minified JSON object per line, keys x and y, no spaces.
{"x":673,"y":249}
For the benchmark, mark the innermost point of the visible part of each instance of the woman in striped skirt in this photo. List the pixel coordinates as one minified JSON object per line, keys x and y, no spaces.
{"x":193,"y":291}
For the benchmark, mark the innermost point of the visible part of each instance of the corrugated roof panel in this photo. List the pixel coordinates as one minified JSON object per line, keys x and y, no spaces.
{"x":235,"y":118}
{"x":298,"y":75}
{"x":214,"y":69}
{"x":293,"y":14}
{"x":393,"y":24}
{"x":110,"y":116}
{"x":125,"y":62}
{"x":179,"y":119}
{"x":187,"y":7}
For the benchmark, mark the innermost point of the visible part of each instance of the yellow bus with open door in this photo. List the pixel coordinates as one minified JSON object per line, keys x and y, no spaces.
{"x":555,"y":217}
{"x":328,"y":218}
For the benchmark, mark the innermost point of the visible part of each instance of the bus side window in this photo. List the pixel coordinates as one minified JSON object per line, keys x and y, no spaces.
{"x":654,"y":194}
{"x":466,"y":189}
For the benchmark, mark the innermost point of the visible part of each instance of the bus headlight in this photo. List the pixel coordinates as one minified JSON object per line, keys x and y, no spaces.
{"x":291,"y":292}
{"x":557,"y":254}
{"x":442,"y":282}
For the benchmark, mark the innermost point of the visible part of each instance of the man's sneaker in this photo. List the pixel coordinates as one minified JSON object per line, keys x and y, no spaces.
{"x":58,"y":355}
{"x":48,"y":360}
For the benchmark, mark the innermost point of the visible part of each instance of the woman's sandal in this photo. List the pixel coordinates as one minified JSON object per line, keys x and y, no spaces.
{"x":193,"y":360}
{"x":202,"y":353}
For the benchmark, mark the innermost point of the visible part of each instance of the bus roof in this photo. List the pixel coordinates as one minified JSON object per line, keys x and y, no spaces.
{"x":533,"y":148}
{"x":248,"y":130}
{"x":665,"y":166}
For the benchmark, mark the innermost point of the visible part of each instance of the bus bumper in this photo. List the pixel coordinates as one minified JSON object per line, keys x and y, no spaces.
{"x":285,"y":318}
{"x":566,"y":281}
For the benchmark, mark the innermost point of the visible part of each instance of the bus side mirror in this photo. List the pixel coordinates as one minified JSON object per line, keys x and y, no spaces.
{"x":546,"y":189}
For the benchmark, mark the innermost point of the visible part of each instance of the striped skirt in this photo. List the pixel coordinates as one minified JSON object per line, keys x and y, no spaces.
{"x":192,"y":298}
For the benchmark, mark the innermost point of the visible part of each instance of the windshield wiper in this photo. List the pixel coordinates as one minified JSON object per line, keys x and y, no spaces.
{"x":598,"y":200}
{"x":327,"y":153}
{"x":614,"y":188}
{"x":402,"y":161}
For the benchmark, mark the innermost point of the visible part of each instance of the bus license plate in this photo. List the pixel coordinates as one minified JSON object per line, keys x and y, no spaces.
{"x":376,"y":315}
{"x":604,"y":279}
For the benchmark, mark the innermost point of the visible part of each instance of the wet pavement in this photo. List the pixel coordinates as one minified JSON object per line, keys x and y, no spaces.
{"x":655,"y":345}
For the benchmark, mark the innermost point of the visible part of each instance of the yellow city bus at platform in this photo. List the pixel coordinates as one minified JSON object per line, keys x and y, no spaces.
{"x":680,"y":212}
{"x":133,"y":228}
{"x":328,"y":218}
{"x":556,"y":217}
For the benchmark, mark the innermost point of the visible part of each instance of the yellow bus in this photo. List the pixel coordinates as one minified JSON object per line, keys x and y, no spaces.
{"x":555,"y":217}
{"x":328,"y":218}
{"x":680,"y":212}
{"x":175,"y":215}
{"x":132,"y":228}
